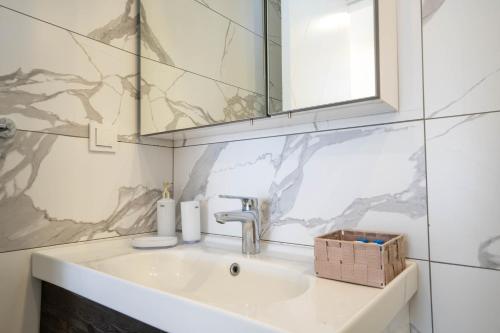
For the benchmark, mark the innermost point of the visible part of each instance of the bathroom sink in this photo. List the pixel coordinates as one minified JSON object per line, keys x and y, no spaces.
{"x":196,"y":287}
{"x":207,"y":277}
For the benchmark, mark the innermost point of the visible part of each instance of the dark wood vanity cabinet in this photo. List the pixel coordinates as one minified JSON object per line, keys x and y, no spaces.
{"x":63,"y":311}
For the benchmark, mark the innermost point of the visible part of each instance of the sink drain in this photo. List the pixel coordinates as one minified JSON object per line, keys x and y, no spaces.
{"x":234,"y":269}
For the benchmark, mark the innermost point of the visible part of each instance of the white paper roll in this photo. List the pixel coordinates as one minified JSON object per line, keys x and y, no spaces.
{"x":190,"y":220}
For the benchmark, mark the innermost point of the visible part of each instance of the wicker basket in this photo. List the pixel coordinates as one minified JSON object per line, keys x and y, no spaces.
{"x":339,"y":256}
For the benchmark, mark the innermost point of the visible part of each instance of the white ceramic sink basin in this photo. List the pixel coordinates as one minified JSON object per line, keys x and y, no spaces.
{"x":206,"y":277}
{"x":189,"y":288}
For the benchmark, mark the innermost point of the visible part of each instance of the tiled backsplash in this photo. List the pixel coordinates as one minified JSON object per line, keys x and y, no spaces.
{"x":53,"y":82}
{"x":54,"y":191}
{"x":369,"y":177}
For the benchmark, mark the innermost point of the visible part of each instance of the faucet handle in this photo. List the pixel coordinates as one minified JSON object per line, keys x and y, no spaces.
{"x":247,"y":203}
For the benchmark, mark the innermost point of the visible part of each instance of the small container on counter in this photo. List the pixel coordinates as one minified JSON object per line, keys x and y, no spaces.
{"x":190,"y":221}
{"x":361,"y":257}
{"x":165,"y":213}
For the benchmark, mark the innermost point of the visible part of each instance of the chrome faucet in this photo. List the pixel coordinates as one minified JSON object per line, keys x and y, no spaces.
{"x":250,"y":222}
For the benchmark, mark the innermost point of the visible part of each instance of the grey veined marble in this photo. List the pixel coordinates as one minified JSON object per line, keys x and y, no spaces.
{"x":429,"y":8}
{"x":486,"y":256}
{"x":113,"y":22}
{"x":214,"y":76}
{"x":121,"y":27}
{"x":24,"y":223}
{"x":174,"y":99}
{"x":463,"y":164}
{"x":56,"y":81}
{"x":370,"y":177}
{"x":149,"y":41}
{"x":218,"y":40}
{"x":462,"y":75}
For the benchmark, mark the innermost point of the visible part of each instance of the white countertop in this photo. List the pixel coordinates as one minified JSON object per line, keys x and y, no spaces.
{"x":115,"y":275}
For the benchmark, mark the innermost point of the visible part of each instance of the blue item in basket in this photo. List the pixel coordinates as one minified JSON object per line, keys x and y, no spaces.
{"x":379,"y":241}
{"x":362,"y":239}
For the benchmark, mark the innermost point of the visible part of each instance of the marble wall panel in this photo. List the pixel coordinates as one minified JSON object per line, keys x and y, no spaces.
{"x":173,"y":99}
{"x":238,"y":11}
{"x":113,"y":22}
{"x":55,"y":81}
{"x":369,"y":178}
{"x":465,"y":299}
{"x":464,"y":187}
{"x":53,"y":191}
{"x":461,"y":56}
{"x":191,"y":36}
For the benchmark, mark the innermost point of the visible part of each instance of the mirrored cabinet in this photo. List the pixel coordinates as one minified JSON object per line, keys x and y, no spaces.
{"x":325,"y":53}
{"x":213,"y":62}
{"x":202,"y":63}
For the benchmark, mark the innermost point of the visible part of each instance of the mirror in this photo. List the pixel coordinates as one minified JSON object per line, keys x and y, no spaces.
{"x":212,"y":62}
{"x":320,"y":53}
{"x":202,"y":63}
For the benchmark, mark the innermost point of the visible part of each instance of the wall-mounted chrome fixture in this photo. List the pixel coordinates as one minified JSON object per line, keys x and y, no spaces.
{"x":7,"y":128}
{"x":250,"y":222}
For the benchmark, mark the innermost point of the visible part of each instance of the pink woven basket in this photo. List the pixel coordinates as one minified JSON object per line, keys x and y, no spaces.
{"x":339,"y":256}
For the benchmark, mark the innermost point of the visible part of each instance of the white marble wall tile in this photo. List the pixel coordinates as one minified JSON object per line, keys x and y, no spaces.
{"x":368,"y":178}
{"x":461,"y":56}
{"x":465,"y":299}
{"x":110,"y":21}
{"x":420,"y":304}
{"x":192,"y":37}
{"x":238,"y":11}
{"x":53,"y":191}
{"x":174,"y":99}
{"x":463,"y":161}
{"x":55,"y":81}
